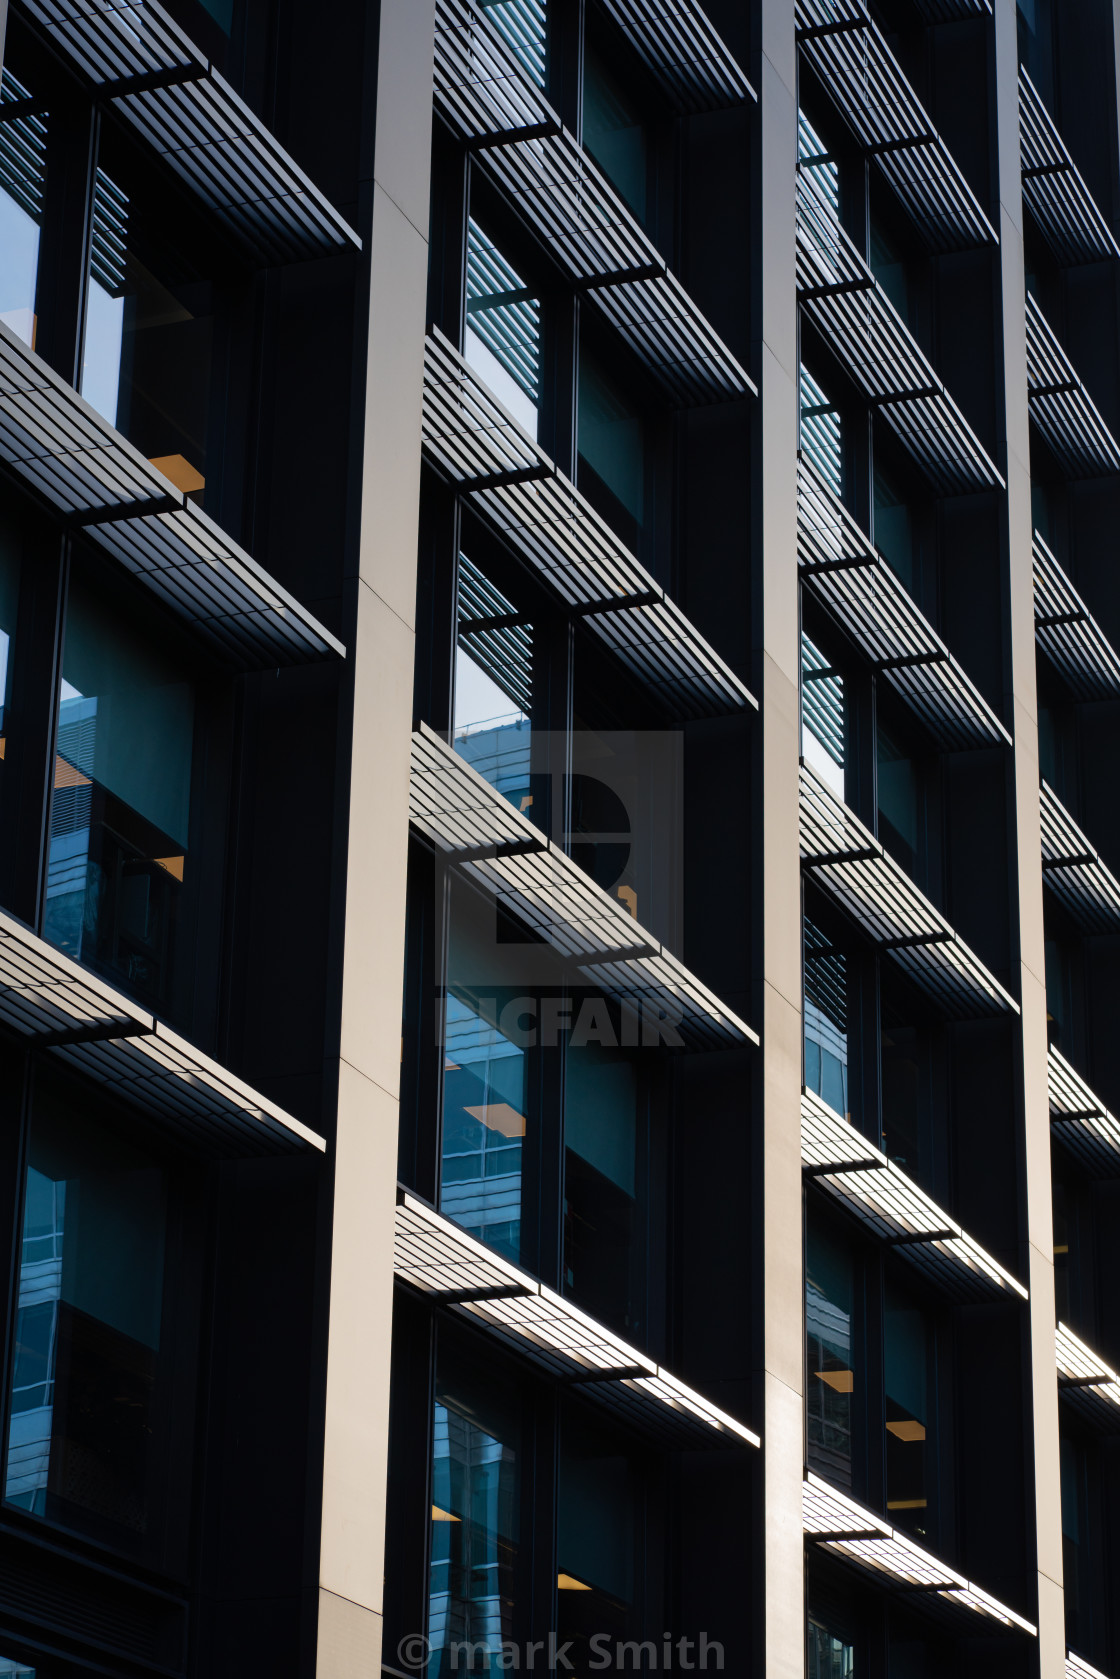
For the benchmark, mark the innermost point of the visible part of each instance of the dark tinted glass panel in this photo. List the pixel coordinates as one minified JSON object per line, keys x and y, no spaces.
{"x":831,"y":1656}
{"x":476,"y":1467}
{"x":23,"y":177}
{"x":894,"y":528}
{"x":613,"y":131}
{"x":9,"y":609}
{"x":826,"y":1020}
{"x":604,"y":1224}
{"x":120,"y":811}
{"x":829,"y":1330}
{"x":900,"y":803}
{"x":1062,"y":1229}
{"x":888,"y":265}
{"x":907,"y":1349}
{"x":599,"y":1530}
{"x":1036,"y":44}
{"x":1074,"y":1535}
{"x":625,"y":808}
{"x":146,"y":357}
{"x":611,"y":448}
{"x":494,"y":687}
{"x":92,"y":1398}
{"x":488,"y":1026}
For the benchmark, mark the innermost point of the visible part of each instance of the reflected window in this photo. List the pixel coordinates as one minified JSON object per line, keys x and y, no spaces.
{"x":603,"y":1230}
{"x":522,"y":24}
{"x":829,"y":1332}
{"x":503,"y":332}
{"x":488,"y":1026}
{"x":23,"y":179}
{"x":476,"y":1467}
{"x":9,"y":610}
{"x":823,"y":720}
{"x":120,"y":809}
{"x":821,"y":437}
{"x":12,"y":1668}
{"x":826,"y":1020}
{"x":611,"y":448}
{"x":91,"y":1401}
{"x":613,"y":131}
{"x":494,"y":687}
{"x":599,"y":1529}
{"x":831,"y":1656}
{"x":906,"y":1338}
{"x":147,"y":347}
{"x":894,"y":528}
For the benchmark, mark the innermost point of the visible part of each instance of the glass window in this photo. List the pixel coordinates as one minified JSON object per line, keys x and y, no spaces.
{"x":820,"y":169}
{"x":901,"y":816}
{"x":599,"y":1531}
{"x":829,"y":1309}
{"x":823,"y":720}
{"x":522,"y":25}
{"x":147,"y":348}
{"x":826,"y":1020}
{"x":1036,"y":44}
{"x":603,"y":1224}
{"x":494,"y":687}
{"x":1074,"y":1499}
{"x":489,"y":1023}
{"x":894,"y":528}
{"x":888,"y":264}
{"x":821,"y":437}
{"x":476,"y":1496}
{"x":9,"y":611}
{"x":120,"y":811}
{"x":907,"y":1351}
{"x":904,"y":1078}
{"x":613,"y":131}
{"x":611,"y":448}
{"x":23,"y":179}
{"x":89,"y":1442}
{"x":1062,"y":1244}
{"x":1059,"y":995}
{"x":831,"y":1656}
{"x":503,"y":332}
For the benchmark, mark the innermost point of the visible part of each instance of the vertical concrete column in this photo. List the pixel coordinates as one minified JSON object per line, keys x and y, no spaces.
{"x":382,"y":650}
{"x":783,"y":1285}
{"x":1028,"y":857}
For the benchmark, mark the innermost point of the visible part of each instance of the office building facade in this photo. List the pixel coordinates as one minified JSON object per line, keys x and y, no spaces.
{"x":558,"y":934}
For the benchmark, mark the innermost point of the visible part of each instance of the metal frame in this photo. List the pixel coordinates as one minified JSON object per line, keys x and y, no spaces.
{"x":852,"y":579}
{"x":839,"y":293}
{"x":840,"y":1525}
{"x":144,"y":67}
{"x":474,"y":828}
{"x":442,"y":1261}
{"x":891,"y":1206}
{"x":866,"y":83}
{"x":566,"y":199}
{"x":1080,"y":1120}
{"x":682,"y":51}
{"x":478,"y":446}
{"x":1062,"y":408}
{"x":1054,"y":189}
{"x":58,"y":1006}
{"x":1069,"y":635}
{"x":62,"y":449}
{"x":1073,"y":870}
{"x":1086,"y":1383}
{"x":844,"y":858}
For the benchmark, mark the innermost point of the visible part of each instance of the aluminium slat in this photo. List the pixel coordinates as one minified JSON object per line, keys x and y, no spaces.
{"x":198,"y":125}
{"x":1073,"y":869}
{"x":64,"y":450}
{"x":48,"y":999}
{"x":483,"y":91}
{"x":1080,"y":1120}
{"x":458,"y":811}
{"x":851,"y":578}
{"x":683,"y":52}
{"x":889,"y":1204}
{"x":1078,"y":1668}
{"x":1055,"y":190}
{"x":846,"y":860}
{"x":1098,"y":1402}
{"x":865,"y":81}
{"x":951,"y":11}
{"x":1061,"y":407}
{"x":443,"y":1261}
{"x":1068,"y":633}
{"x":471,"y":439}
{"x":837,"y":1523}
{"x":841,"y":296}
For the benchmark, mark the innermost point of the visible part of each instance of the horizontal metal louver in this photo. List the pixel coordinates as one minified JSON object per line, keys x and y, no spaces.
{"x":822,"y":700}
{"x":474,"y":443}
{"x":952,"y":11}
{"x":842,"y":569}
{"x":23,"y":150}
{"x":522,"y":24}
{"x":848,"y":863}
{"x":109,"y":245}
{"x":681,"y":50}
{"x":866,"y":83}
{"x":839,"y":293}
{"x":1086,"y":1383}
{"x":1069,"y":635}
{"x":562,"y":193}
{"x":1054,"y":189}
{"x":192,"y":119}
{"x":1074,"y":870}
{"x":1080,"y":1120}
{"x":1062,"y":408}
{"x":503,"y":312}
{"x":498,"y":645}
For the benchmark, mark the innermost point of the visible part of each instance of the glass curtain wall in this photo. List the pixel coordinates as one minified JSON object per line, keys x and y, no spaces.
{"x":23,"y":179}
{"x":602,"y":1525}
{"x":604,"y":1177}
{"x":908,"y":1355}
{"x":826,"y":1020}
{"x":494,"y":688}
{"x":830,"y":1362}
